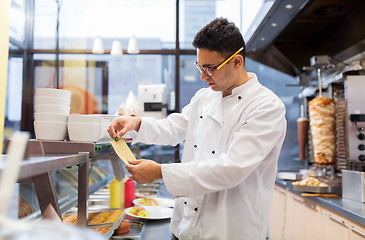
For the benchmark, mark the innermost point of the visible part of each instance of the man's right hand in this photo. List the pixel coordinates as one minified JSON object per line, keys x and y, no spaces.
{"x":122,"y":125}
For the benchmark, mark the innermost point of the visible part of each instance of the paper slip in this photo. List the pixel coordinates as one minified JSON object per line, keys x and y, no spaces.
{"x":122,"y":150}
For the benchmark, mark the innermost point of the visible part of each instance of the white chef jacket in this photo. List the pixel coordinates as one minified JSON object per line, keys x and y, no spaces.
{"x":224,"y":183}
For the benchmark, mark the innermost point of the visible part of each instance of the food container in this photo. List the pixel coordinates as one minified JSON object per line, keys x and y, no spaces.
{"x":105,"y":228}
{"x":52,"y":100}
{"x":85,"y":132}
{"x":53,"y":92}
{"x":52,"y":108}
{"x":353,"y":185}
{"x":85,"y":118}
{"x":53,"y":117}
{"x":48,"y":130}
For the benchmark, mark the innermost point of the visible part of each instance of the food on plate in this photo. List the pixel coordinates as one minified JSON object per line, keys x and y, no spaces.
{"x":139,"y":211}
{"x":147,"y":201}
{"x":322,"y":125}
{"x":124,"y":227}
{"x":310,"y":181}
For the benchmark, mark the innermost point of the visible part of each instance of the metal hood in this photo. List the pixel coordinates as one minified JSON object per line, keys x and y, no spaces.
{"x":292,"y":32}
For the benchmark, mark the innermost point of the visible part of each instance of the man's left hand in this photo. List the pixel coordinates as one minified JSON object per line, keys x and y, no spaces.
{"x":144,"y":170}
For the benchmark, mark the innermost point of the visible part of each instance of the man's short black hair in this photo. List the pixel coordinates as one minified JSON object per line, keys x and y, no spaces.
{"x":221,"y":36}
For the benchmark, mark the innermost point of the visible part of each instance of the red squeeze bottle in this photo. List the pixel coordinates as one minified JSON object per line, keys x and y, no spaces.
{"x":128,"y":193}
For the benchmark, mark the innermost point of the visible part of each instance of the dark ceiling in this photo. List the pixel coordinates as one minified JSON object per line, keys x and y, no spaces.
{"x":318,"y":27}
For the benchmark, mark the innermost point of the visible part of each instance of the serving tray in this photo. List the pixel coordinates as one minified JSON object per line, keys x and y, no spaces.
{"x":315,"y":189}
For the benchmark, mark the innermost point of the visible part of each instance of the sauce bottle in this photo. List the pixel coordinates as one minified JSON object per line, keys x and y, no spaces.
{"x":115,"y":194}
{"x":128,"y":193}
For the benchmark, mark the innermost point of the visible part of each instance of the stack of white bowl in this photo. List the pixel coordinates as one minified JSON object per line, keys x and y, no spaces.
{"x":52,"y":107}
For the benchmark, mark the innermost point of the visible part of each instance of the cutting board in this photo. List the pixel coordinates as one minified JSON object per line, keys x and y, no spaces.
{"x":122,"y":150}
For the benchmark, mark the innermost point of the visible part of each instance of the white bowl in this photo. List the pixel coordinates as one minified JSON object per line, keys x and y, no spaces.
{"x":85,"y":118}
{"x":48,"y":130}
{"x":85,"y":132}
{"x":54,"y":117}
{"x":52,"y":92}
{"x":52,"y":100}
{"x":51,"y":108}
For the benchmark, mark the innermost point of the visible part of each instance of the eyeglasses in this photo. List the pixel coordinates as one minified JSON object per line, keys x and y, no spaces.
{"x":209,"y":70}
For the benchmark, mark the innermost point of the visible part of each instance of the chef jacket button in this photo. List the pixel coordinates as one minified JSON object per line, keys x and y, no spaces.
{"x":201,"y":116}
{"x":195,"y":209}
{"x":239,"y":97}
{"x":185,"y":202}
{"x":195,"y":146}
{"x":213,"y":151}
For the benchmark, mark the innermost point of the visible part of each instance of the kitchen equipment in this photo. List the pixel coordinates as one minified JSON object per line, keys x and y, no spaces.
{"x":54,"y":117}
{"x":49,"y":130}
{"x":53,"y":92}
{"x":85,"y":131}
{"x":353,"y":185}
{"x":302,"y":129}
{"x":355,"y":117}
{"x":316,"y":189}
{"x":52,"y":108}
{"x":153,"y":99}
{"x":52,"y":100}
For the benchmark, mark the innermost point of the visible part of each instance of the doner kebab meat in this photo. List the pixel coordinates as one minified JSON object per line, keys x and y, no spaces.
{"x":322,"y":125}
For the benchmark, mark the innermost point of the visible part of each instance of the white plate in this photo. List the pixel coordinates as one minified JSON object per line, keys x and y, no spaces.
{"x":162,"y":202}
{"x":155,"y":212}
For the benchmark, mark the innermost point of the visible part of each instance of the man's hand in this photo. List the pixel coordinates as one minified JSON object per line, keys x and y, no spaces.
{"x":122,"y":125}
{"x":144,"y":171}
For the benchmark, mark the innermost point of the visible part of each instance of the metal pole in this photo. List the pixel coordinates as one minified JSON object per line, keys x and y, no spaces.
{"x":57,"y":44}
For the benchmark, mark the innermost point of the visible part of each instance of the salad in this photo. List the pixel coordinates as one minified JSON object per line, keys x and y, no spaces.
{"x":139,"y":211}
{"x":148,"y":202}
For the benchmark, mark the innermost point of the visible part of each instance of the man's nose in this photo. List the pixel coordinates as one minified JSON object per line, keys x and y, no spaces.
{"x":203,"y":76}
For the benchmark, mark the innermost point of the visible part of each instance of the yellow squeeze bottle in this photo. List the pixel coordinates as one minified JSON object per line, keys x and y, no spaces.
{"x":114,"y":194}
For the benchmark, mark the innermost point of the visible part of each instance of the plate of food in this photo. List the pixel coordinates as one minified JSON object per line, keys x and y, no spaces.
{"x":154,"y":201}
{"x":149,"y":212}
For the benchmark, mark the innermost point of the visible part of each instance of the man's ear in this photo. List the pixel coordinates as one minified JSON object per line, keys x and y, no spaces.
{"x":238,"y":61}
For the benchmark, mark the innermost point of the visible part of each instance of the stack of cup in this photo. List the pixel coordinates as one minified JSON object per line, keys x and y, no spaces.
{"x":52,"y":107}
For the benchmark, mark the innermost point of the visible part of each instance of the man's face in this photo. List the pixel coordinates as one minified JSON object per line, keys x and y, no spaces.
{"x":223,"y":79}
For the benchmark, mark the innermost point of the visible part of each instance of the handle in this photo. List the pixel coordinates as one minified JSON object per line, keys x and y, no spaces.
{"x":336,"y":220}
{"x":356,"y":231}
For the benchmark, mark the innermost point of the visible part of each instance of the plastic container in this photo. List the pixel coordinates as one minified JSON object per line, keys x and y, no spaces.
{"x":115,"y":195}
{"x":128,"y":193}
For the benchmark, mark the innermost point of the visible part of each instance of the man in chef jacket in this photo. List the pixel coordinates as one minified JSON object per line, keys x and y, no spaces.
{"x":233,"y":132}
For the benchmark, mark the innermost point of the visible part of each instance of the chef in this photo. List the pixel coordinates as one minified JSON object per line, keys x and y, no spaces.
{"x":233,"y":132}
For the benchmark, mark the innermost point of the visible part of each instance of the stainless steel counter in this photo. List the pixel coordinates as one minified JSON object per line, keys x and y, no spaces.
{"x":156,"y":229}
{"x":348,"y":208}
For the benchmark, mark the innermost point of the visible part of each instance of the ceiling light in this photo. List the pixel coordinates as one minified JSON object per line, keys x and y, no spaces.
{"x":262,"y":39}
{"x":116,"y":48}
{"x":133,"y":46}
{"x":288,"y":6}
{"x":274,"y":25}
{"x":98,"y":47}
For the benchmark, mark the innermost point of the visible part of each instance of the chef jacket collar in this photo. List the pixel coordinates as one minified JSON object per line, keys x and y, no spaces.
{"x":215,"y":109}
{"x":242,"y":89}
